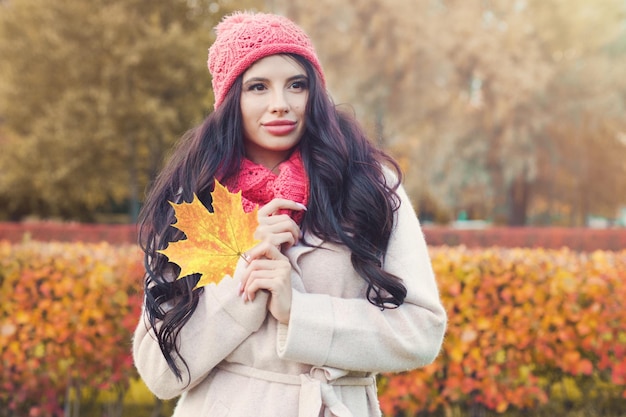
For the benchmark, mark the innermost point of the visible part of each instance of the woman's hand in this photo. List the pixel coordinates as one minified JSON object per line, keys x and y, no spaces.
{"x":268,"y":269}
{"x":279,"y":229}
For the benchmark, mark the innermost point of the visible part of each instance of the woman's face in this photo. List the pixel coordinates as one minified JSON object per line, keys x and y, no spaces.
{"x":274,"y":95}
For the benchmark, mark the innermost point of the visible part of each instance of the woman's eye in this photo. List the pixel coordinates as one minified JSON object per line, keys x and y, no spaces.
{"x":299,"y":85}
{"x":256,"y":87}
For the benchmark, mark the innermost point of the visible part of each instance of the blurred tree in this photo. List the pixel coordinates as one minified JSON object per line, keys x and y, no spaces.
{"x":92,"y":95}
{"x":470,"y":93}
{"x":508,"y":110}
{"x":585,"y":104}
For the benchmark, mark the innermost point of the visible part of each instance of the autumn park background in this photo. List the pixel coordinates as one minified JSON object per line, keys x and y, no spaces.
{"x":507,"y":116}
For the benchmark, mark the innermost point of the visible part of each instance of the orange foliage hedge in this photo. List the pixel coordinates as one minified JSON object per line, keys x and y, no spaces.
{"x":119,"y":234}
{"x":66,"y":316}
{"x":519,"y":321}
{"x":577,"y":238}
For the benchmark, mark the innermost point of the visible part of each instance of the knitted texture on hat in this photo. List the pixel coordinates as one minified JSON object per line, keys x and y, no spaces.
{"x":259,"y":185}
{"x":243,"y":38}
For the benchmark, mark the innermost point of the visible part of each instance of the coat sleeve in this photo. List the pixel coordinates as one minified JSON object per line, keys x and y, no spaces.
{"x":219,"y":324}
{"x":355,"y":335}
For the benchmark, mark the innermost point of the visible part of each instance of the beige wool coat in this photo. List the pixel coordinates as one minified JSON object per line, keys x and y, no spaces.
{"x":244,"y":363}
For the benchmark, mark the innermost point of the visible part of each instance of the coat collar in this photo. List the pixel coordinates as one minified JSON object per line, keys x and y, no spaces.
{"x":295,"y":252}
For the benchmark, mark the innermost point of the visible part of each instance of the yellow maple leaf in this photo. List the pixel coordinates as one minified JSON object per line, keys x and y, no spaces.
{"x":215,"y":240}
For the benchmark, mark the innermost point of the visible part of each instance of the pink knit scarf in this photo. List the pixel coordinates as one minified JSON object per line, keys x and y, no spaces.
{"x":259,"y":185}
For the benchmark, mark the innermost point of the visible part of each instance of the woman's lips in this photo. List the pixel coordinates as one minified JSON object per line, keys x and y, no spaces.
{"x":280,"y":127}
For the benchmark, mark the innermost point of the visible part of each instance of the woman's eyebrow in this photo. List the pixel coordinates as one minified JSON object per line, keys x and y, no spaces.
{"x":264,"y":79}
{"x":298,"y":77}
{"x":255,"y":79}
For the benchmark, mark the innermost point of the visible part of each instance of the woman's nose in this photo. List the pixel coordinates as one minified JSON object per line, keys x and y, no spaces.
{"x":279,"y":102}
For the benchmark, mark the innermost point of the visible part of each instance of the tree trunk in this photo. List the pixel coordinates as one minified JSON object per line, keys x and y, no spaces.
{"x":519,"y":194}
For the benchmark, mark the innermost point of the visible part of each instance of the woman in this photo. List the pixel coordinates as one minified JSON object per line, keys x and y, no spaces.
{"x":341,"y":285}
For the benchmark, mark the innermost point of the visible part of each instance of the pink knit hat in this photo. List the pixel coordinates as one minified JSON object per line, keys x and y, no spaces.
{"x":244,"y":37}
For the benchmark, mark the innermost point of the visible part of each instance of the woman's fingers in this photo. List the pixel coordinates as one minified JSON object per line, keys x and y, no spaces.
{"x":274,"y":280}
{"x":264,"y":251}
{"x":277,"y":282}
{"x":281,"y":225}
{"x":279,"y":303}
{"x":273,"y":220}
{"x":268,"y":269}
{"x":278,"y":204}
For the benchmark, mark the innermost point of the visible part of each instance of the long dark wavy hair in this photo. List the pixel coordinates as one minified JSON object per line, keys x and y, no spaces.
{"x":350,"y":202}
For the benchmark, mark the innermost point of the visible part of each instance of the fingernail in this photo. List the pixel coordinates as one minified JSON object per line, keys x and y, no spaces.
{"x":302,"y":206}
{"x":239,"y":288}
{"x":244,"y":297}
